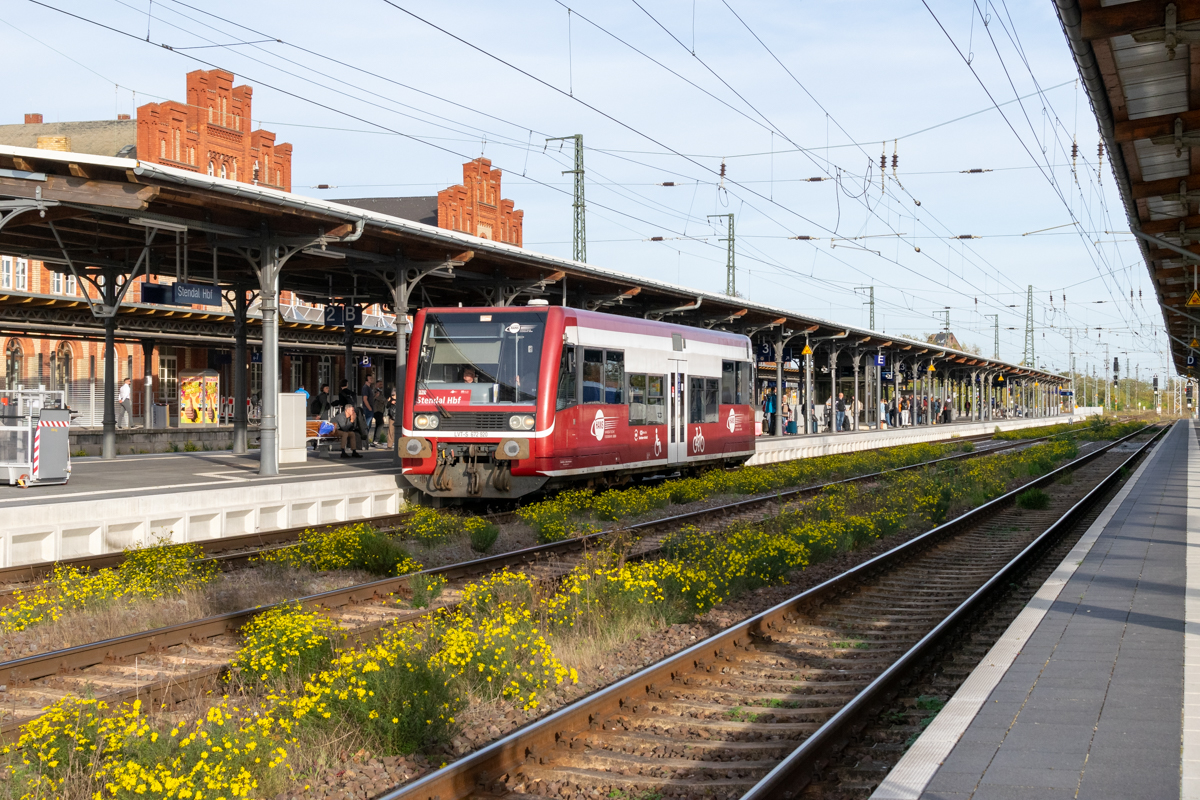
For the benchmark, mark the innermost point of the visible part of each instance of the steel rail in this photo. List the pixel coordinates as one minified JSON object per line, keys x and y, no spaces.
{"x":42,"y":665}
{"x":116,"y":649}
{"x":253,"y":543}
{"x":793,"y":773}
{"x":536,"y":740}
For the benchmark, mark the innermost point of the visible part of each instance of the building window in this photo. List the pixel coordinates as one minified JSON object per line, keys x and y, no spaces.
{"x":21,"y":275}
{"x":278,"y":178}
{"x":177,"y":145}
{"x":56,"y":282}
{"x":162,"y":148}
{"x":168,"y":377}
{"x":223,"y":173}
{"x":63,"y":366}
{"x":254,"y":175}
{"x":72,"y":288}
{"x":14,"y":363}
{"x":6,"y":272}
{"x":324,"y":372}
{"x":297,"y":370}
{"x":210,"y":169}
{"x":210,"y":117}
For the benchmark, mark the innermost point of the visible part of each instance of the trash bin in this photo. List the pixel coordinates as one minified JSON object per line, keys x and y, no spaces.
{"x":160,"y":417}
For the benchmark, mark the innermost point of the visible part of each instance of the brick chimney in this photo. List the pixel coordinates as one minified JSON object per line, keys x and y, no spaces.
{"x":122,"y":116}
{"x":33,"y":119}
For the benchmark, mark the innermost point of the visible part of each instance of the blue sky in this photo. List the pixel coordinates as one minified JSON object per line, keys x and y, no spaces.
{"x":861,"y":74}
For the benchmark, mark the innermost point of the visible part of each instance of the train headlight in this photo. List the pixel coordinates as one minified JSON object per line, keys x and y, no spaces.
{"x":425,"y":422}
{"x":433,"y":420}
{"x":521,"y":422}
{"x":414,"y":447}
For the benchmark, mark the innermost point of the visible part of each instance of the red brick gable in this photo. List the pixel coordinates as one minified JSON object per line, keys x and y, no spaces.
{"x":211,"y":134}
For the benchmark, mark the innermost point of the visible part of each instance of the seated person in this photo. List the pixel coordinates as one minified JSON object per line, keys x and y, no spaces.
{"x":468,"y":375}
{"x":348,"y":428}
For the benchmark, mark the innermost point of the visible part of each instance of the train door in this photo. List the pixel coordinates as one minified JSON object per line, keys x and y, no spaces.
{"x":677,"y":412}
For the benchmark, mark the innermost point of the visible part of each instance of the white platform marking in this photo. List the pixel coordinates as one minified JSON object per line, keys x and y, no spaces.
{"x":1189,"y":762}
{"x":916,"y":768}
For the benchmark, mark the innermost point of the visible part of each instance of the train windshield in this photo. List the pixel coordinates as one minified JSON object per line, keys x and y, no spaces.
{"x":480,"y":359}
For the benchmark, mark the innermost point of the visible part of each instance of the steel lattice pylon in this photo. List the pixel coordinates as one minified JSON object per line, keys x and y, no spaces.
{"x":580,"y":236}
{"x":730,"y":261}
{"x":1028,"y":359}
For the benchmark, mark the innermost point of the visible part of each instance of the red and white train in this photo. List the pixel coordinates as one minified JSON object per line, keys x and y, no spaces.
{"x":501,"y":402}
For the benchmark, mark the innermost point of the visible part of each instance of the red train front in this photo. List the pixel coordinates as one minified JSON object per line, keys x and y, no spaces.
{"x":502,"y":402}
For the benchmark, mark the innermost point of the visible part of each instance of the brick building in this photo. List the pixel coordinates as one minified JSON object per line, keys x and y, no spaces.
{"x":210,"y":134}
{"x":475,"y":206}
{"x":213,"y":133}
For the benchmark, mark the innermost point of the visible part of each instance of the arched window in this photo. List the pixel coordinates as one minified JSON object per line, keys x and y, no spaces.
{"x":278,"y":178}
{"x":63,"y":365}
{"x":162,"y":148}
{"x":254,"y":175}
{"x":210,"y":113}
{"x":210,"y":168}
{"x":223,"y":173}
{"x":14,"y":363}
{"x":177,"y":146}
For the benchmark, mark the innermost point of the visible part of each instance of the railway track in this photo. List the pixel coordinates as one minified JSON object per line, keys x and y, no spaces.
{"x":756,"y":710}
{"x":174,"y":662}
{"x":235,"y":551}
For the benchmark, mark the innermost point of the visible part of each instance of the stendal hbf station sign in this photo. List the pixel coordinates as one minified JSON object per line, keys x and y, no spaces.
{"x":181,"y":294}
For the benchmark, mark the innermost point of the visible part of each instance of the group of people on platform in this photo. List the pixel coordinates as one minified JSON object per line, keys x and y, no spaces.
{"x":358,"y":418}
{"x":904,"y":410}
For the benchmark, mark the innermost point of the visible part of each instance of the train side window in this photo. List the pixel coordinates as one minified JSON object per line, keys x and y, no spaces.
{"x":656,"y":409}
{"x":593,"y":376}
{"x":614,"y":376}
{"x":728,"y":382}
{"x":745,"y":380}
{"x":637,"y":399}
{"x":712,"y":388}
{"x":567,"y":377}
{"x":695,"y":400}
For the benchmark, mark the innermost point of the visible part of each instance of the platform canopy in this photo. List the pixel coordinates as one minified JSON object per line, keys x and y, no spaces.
{"x":1142,"y":76}
{"x":123,"y":217}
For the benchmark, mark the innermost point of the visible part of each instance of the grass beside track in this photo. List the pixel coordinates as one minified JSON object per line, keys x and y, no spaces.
{"x":300,"y":693}
{"x":1091,"y":430}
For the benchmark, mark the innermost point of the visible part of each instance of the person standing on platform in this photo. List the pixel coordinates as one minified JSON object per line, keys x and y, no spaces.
{"x":389,"y":415}
{"x":304,"y":392}
{"x":378,"y":405}
{"x":322,"y":403}
{"x":367,"y":407}
{"x":840,"y":412}
{"x":346,"y":395}
{"x":125,"y":400}
{"x":770,"y":408}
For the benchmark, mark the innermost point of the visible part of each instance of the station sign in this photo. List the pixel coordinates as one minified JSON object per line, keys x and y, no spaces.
{"x":335,"y":315}
{"x":880,"y":360}
{"x":256,"y":357}
{"x":196,"y":294}
{"x":364,"y":361}
{"x":1191,"y":362}
{"x":181,"y":294}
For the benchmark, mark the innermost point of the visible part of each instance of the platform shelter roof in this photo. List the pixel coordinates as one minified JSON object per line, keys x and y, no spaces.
{"x":1140,"y":64}
{"x":98,"y":213}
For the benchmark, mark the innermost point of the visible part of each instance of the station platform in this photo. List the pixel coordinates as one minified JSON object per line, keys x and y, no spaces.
{"x":1093,"y":692}
{"x":110,"y":505}
{"x":774,"y":449}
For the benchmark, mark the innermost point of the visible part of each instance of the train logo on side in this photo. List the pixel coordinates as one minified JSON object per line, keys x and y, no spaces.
{"x":733,"y":422}
{"x":601,"y":426}
{"x":698,"y":441}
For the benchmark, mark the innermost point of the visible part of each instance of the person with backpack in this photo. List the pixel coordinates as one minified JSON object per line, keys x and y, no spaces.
{"x":322,"y":403}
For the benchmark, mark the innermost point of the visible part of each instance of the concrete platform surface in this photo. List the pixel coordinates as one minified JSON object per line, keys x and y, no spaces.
{"x":1082,"y":696}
